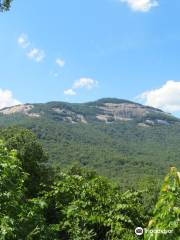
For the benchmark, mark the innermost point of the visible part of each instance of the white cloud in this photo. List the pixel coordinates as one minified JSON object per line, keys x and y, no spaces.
{"x":87,"y":83}
{"x":141,"y":5}
{"x":166,"y":97}
{"x":60,"y":62}
{"x":7,"y":99}
{"x":84,"y":83}
{"x":23,"y":41}
{"x":33,"y":53}
{"x":36,"y":54}
{"x":69,"y":92}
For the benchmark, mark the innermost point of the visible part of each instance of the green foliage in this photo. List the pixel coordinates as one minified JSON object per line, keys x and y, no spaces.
{"x":31,"y":154}
{"x":167,"y":210}
{"x":11,"y":187}
{"x":20,"y":218}
{"x":124,"y":152}
{"x":92,"y":208}
{"x":79,"y":204}
{"x":5,"y":5}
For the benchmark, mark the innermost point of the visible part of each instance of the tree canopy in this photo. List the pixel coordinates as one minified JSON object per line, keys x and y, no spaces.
{"x":5,"y":5}
{"x":77,"y":204}
{"x":31,"y":154}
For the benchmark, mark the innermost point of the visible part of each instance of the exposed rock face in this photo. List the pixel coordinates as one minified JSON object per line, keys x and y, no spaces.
{"x":25,"y":109}
{"x":75,"y":118}
{"x":70,"y":116}
{"x":103,"y":110}
{"x":124,"y":111}
{"x":15,"y":109}
{"x":121,"y":111}
{"x":58,"y":110}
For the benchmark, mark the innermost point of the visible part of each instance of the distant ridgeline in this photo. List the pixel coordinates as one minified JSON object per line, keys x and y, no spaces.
{"x":107,"y":110}
{"x":123,"y":140}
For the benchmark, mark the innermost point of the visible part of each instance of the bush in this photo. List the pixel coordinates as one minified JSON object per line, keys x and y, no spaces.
{"x":167,"y":210}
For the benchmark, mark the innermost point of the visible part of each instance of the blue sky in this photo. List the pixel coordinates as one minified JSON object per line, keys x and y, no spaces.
{"x":77,"y":51}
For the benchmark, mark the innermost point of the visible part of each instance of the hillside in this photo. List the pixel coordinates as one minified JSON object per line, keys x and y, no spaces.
{"x":123,"y":140}
{"x":106,"y":110}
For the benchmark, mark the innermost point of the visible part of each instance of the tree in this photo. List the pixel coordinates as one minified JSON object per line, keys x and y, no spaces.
{"x":167,"y":211}
{"x":20,"y":218}
{"x":87,"y":207}
{"x":11,"y":187}
{"x":30,"y":153}
{"x":77,"y":207}
{"x":5,"y":5}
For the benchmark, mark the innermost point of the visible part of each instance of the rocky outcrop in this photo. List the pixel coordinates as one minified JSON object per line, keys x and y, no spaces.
{"x":103,"y":110}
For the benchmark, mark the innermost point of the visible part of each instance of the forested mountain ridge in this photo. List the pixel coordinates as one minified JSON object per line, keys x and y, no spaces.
{"x":120,"y":139}
{"x":106,"y":110}
{"x":42,"y":202}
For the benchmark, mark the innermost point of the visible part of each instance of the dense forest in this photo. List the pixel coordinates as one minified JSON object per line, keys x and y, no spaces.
{"x":38,"y":202}
{"x":144,"y":147}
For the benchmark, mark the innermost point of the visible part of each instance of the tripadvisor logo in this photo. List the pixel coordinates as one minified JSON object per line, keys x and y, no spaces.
{"x":139,"y":231}
{"x":160,"y":231}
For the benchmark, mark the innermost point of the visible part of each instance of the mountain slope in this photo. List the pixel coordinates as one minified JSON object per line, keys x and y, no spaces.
{"x":123,"y":140}
{"x":104,"y":110}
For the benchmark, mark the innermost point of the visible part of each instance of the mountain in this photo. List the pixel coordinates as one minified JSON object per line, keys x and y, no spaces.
{"x":120,"y":139}
{"x":106,"y":110}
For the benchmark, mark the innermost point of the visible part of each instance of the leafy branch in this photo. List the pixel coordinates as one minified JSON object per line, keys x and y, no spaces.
{"x":5,"y":5}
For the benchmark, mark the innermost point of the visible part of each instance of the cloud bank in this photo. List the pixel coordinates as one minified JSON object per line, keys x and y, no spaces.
{"x":166,"y":97}
{"x":7,"y":99}
{"x":141,"y":5}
